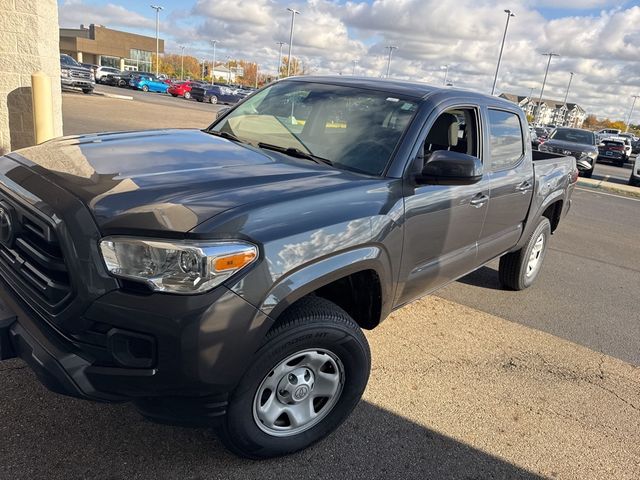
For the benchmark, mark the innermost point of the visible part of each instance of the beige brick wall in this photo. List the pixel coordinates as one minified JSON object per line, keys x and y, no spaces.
{"x":28,"y":43}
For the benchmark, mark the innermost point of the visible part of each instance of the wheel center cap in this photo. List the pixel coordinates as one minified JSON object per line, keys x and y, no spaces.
{"x":301,"y":392}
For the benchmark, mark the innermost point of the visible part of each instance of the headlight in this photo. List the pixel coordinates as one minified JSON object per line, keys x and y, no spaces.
{"x":177,"y":267}
{"x":64,"y":73}
{"x":592,"y":155}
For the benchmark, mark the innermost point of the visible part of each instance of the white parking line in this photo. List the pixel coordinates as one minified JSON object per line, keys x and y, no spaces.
{"x":591,"y":190}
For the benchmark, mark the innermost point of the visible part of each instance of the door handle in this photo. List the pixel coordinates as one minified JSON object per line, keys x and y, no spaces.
{"x":479,"y":200}
{"x":524,"y":187}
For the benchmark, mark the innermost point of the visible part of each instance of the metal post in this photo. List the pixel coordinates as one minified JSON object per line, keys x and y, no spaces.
{"x":633,"y":104}
{"x":504,"y":36}
{"x":355,"y":63}
{"x":181,"y":62}
{"x":566,"y":95}
{"x":229,"y":67}
{"x":157,"y":8}
{"x":293,"y":19}
{"x":203,"y":60}
{"x":279,"y":60}
{"x":391,"y":49}
{"x":544,"y":82}
{"x":446,"y":73}
{"x":213,"y":66}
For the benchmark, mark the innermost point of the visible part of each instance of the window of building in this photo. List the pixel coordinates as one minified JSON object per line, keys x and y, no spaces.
{"x":113,"y":62}
{"x":505,"y":139}
{"x":139,"y":60}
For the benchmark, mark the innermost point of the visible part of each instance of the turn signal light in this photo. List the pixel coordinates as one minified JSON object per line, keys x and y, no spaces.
{"x":234,"y":262}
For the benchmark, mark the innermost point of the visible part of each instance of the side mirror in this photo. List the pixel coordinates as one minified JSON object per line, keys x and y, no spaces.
{"x":222,"y":112}
{"x":451,"y":168}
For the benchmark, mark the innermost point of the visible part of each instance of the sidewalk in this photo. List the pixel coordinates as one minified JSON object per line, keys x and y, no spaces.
{"x":618,"y":188}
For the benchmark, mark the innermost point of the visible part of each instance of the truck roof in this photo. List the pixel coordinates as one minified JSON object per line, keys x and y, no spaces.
{"x":398,"y":87}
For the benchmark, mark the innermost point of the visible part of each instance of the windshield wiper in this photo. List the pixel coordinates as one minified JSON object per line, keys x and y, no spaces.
{"x":295,"y":152}
{"x":227,"y":135}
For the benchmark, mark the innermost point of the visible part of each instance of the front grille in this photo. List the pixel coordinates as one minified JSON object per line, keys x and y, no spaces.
{"x":562,"y":151}
{"x":80,"y":74}
{"x":31,"y":259}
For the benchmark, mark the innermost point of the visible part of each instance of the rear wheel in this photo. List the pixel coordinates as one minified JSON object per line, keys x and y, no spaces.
{"x":303,"y":383}
{"x":187,"y":95}
{"x":213,"y":99}
{"x":519,"y":270}
{"x":145,"y":88}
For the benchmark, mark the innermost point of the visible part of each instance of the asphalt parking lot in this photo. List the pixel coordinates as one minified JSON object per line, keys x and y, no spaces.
{"x":473,"y":383}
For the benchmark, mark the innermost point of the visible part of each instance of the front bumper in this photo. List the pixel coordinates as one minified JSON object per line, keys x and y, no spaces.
{"x":77,"y":83}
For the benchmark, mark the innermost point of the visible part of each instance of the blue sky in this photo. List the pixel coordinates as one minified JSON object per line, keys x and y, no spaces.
{"x":598,"y":40}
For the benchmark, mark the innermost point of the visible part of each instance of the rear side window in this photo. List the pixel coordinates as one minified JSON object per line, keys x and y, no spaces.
{"x":505,"y":139}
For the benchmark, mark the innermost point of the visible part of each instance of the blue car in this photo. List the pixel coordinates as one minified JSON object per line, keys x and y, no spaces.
{"x":216,"y":94}
{"x":148,"y":83}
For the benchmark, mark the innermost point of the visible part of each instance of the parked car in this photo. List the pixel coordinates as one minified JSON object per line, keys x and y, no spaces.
{"x":75,"y":76}
{"x":122,"y":79}
{"x":182,"y":89}
{"x":609,"y":132}
{"x":613,"y":150}
{"x":634,"y":179}
{"x":101,"y":73}
{"x":628,"y":149}
{"x":635,"y":146}
{"x":541,"y":136}
{"x":148,"y":83}
{"x":577,"y":143}
{"x":215,"y":94}
{"x":222,"y":277}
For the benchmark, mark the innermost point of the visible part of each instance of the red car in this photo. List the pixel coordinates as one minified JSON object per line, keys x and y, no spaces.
{"x":182,"y":89}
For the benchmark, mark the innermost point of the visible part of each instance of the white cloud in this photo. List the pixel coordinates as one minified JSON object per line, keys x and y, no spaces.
{"x":602,"y":49}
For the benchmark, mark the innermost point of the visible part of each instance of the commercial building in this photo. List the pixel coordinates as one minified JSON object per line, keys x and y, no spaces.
{"x":552,"y":112}
{"x":110,"y":48}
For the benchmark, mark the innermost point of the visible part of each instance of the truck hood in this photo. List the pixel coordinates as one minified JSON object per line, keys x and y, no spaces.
{"x":170,"y":180}
{"x":571,"y":146}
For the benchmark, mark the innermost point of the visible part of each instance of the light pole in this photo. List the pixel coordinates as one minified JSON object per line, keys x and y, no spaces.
{"x":566,"y":95}
{"x":504,"y":36}
{"x":633,"y":104}
{"x":279,"y":60}
{"x":544,"y":82}
{"x":157,"y":8}
{"x":181,"y":62}
{"x":446,"y":73}
{"x":293,"y":20}
{"x":213,"y":64}
{"x":229,"y":67}
{"x":355,"y":63}
{"x":203,"y":61}
{"x":391,"y":49}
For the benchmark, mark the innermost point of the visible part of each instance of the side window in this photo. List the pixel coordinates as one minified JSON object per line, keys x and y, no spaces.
{"x":456,"y":130}
{"x":505,"y":139}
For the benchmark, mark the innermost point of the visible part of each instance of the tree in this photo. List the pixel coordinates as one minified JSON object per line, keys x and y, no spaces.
{"x":296,"y":67}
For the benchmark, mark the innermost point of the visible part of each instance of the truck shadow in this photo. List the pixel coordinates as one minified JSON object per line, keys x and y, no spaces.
{"x":43,"y":435}
{"x":484,"y":277}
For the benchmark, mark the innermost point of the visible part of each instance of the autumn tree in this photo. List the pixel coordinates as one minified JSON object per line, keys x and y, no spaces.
{"x":296,"y":67}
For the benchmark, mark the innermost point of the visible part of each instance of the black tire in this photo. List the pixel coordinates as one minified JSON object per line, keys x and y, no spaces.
{"x":312,"y":323}
{"x":174,"y":95}
{"x":620,"y":163}
{"x":199,"y":99}
{"x":513,"y":271}
{"x":213,"y":99}
{"x":587,"y":173}
{"x":87,"y":91}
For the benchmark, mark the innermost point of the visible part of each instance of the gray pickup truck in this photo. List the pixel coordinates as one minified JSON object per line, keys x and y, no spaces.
{"x":223,"y":277}
{"x":75,"y":76}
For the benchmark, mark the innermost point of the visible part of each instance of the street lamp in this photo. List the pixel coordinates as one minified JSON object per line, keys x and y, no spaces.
{"x":293,"y":19}
{"x":544,"y":82}
{"x":504,"y":36}
{"x":566,"y":95}
{"x":355,"y":63}
{"x":157,"y":8}
{"x":633,"y":104}
{"x":213,"y":64}
{"x":446,"y":73}
{"x":181,"y":62}
{"x":279,"y":60}
{"x":229,"y":67}
{"x":391,"y":49}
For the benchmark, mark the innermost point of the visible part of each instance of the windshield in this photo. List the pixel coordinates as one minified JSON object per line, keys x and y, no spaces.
{"x":574,"y":136}
{"x":67,"y":60}
{"x":356,"y":129}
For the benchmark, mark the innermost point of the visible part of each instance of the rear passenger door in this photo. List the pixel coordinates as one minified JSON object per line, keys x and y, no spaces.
{"x":510,"y":174}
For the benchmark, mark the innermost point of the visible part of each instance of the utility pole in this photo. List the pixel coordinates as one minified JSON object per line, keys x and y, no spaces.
{"x":213,"y":64}
{"x":544,"y":82}
{"x":391,"y":49}
{"x":446,"y":73}
{"x":181,"y":62}
{"x":157,"y":8}
{"x":229,"y":67}
{"x":633,"y":104}
{"x":355,"y":63}
{"x":279,"y":60}
{"x":293,"y":20}
{"x":504,"y":36}
{"x":566,"y":95}
{"x":203,"y":61}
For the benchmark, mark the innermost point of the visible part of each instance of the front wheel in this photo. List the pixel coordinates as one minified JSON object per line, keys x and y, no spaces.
{"x":145,"y":88}
{"x":303,"y":383}
{"x":87,"y":91}
{"x":213,"y":99}
{"x":187,"y":95}
{"x":519,"y":270}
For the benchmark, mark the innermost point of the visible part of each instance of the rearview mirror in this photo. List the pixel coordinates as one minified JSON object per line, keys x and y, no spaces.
{"x":222,"y":112}
{"x":445,"y":167}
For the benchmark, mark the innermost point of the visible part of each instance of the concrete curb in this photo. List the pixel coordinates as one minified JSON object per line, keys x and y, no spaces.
{"x":112,"y":95}
{"x":626,"y":190}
